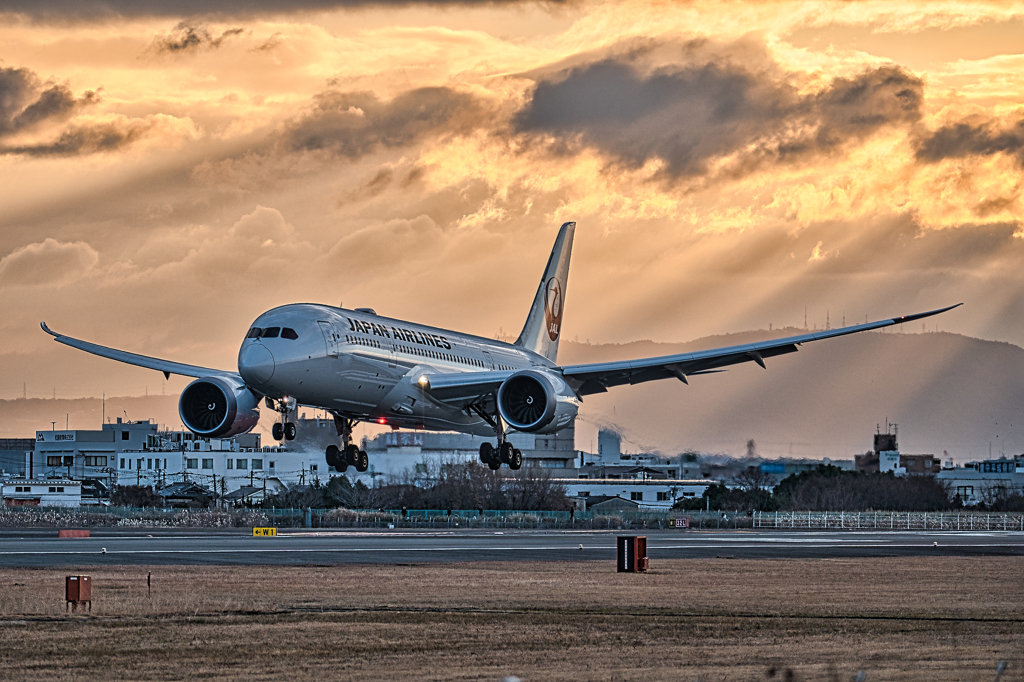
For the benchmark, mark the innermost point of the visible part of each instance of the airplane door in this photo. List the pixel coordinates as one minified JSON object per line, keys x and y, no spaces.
{"x":330,"y":338}
{"x":391,"y":355}
{"x":488,"y":360}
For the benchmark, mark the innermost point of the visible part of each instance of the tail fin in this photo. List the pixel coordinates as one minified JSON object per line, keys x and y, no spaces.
{"x":544,"y":324}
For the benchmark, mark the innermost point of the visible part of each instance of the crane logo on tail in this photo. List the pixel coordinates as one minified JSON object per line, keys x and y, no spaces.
{"x":553,"y":308}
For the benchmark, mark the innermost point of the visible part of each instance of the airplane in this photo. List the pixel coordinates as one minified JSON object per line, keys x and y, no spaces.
{"x":359,"y":366}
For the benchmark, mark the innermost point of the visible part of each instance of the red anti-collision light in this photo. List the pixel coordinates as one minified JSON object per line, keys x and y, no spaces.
{"x":382,"y":420}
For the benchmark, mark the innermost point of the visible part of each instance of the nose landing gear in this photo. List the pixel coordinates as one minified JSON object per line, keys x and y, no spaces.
{"x":284,"y":429}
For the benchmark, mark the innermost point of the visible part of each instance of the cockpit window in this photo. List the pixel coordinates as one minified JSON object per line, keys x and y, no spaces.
{"x":254,"y":333}
{"x":270,"y":333}
{"x":288,"y":333}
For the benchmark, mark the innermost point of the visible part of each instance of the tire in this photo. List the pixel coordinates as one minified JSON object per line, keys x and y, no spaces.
{"x":486,"y":452}
{"x":341,"y":466}
{"x":332,"y":456}
{"x":494,"y":465}
{"x":362,"y":461}
{"x":351,"y":454}
{"x":277,"y":431}
{"x":290,"y":431}
{"x":517,"y":460}
{"x":505,"y":452}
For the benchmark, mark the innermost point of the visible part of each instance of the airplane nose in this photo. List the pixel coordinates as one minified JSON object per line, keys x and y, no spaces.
{"x":256,"y":364}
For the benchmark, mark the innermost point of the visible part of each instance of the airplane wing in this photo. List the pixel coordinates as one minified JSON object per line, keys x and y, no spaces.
{"x":598,"y":377}
{"x":165,"y":366}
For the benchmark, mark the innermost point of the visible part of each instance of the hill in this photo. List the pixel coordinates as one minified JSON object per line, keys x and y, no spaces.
{"x":947,"y":393}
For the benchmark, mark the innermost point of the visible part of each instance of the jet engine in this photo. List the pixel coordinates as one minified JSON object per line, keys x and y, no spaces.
{"x":537,"y":402}
{"x":218,"y":407}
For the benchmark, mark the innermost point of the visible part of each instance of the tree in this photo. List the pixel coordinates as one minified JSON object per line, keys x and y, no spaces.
{"x":136,"y":496}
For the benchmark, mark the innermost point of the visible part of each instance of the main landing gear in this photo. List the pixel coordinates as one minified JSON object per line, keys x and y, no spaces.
{"x":504,"y":453}
{"x":349,"y":453}
{"x":284,"y":429}
{"x":494,"y":457}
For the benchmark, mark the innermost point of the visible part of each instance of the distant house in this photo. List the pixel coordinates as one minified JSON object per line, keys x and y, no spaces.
{"x":610,"y":503}
{"x":247,"y":494}
{"x":41,"y":493}
{"x":186,"y":494}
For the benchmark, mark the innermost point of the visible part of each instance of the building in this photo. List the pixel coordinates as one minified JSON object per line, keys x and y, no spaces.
{"x":41,"y":493}
{"x":646,"y":493}
{"x":139,"y":453}
{"x":13,"y":453}
{"x":986,"y":481}
{"x":411,"y":455}
{"x":886,"y":457}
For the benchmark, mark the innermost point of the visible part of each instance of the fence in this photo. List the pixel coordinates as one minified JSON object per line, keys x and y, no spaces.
{"x":888,"y":521}
{"x":27,"y":517}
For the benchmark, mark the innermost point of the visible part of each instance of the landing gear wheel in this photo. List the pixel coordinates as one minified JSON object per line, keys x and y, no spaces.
{"x":494,"y":465}
{"x":362,"y":461}
{"x":277,"y":431}
{"x":332,"y":456}
{"x":517,"y":460}
{"x":505,"y":451}
{"x":341,"y":466}
{"x":290,"y":431}
{"x":486,"y":452}
{"x":351,"y":454}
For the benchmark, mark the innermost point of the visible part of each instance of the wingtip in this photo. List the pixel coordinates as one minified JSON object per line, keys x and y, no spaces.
{"x":47,"y":329}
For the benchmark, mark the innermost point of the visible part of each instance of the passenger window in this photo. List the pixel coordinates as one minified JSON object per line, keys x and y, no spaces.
{"x":270,"y":333}
{"x":288,"y":333}
{"x":254,"y":333}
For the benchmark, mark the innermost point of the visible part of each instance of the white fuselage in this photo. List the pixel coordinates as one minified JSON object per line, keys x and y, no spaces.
{"x":364,"y":366}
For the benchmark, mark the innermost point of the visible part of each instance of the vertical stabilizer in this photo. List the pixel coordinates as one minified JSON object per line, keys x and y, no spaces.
{"x":544,"y":324}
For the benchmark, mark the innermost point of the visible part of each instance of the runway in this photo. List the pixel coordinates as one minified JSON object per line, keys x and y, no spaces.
{"x":109,"y":547}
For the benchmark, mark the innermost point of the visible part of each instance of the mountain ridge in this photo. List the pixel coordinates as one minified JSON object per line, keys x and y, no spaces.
{"x":948,"y":392}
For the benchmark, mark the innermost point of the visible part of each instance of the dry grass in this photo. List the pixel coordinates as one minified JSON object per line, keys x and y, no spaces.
{"x":899,"y":619}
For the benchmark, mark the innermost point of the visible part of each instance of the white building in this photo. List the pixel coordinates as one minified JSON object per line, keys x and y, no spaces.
{"x":411,"y":455}
{"x":41,"y":493}
{"x":647,"y":493}
{"x":983,"y":481}
{"x":138,"y":453}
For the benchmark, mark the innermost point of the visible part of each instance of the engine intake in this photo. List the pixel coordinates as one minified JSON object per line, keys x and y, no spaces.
{"x":533,"y":401}
{"x":217,"y":407}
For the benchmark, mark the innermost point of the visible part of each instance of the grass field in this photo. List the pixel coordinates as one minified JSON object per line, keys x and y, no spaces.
{"x":897,"y":619}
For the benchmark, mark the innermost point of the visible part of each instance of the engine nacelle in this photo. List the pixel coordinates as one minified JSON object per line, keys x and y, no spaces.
{"x":536,"y":401}
{"x":218,"y":407}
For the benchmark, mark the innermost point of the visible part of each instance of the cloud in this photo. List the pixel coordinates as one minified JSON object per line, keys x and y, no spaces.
{"x":963,"y":139}
{"x":47,"y":262}
{"x":713,"y":108}
{"x":265,"y":226}
{"x":352,"y":124}
{"x":383,"y":245}
{"x":189,"y":38}
{"x":86,"y":139}
{"x":26,"y":102}
{"x":62,"y":10}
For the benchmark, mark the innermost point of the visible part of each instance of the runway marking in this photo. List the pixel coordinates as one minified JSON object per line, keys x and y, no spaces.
{"x":567,"y":548}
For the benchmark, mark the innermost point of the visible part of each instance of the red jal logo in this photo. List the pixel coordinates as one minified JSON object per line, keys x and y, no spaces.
{"x":553,"y":308}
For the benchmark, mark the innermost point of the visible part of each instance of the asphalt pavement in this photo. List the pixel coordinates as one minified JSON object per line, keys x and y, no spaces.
{"x":109,"y":547}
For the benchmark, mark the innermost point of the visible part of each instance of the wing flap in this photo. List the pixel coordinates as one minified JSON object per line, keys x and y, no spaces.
{"x":166,"y":366}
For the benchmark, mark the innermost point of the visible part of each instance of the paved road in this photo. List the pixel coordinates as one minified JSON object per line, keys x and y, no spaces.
{"x":41,"y":547}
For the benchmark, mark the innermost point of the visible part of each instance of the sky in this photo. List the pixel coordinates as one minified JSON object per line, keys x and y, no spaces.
{"x":169,"y":170}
